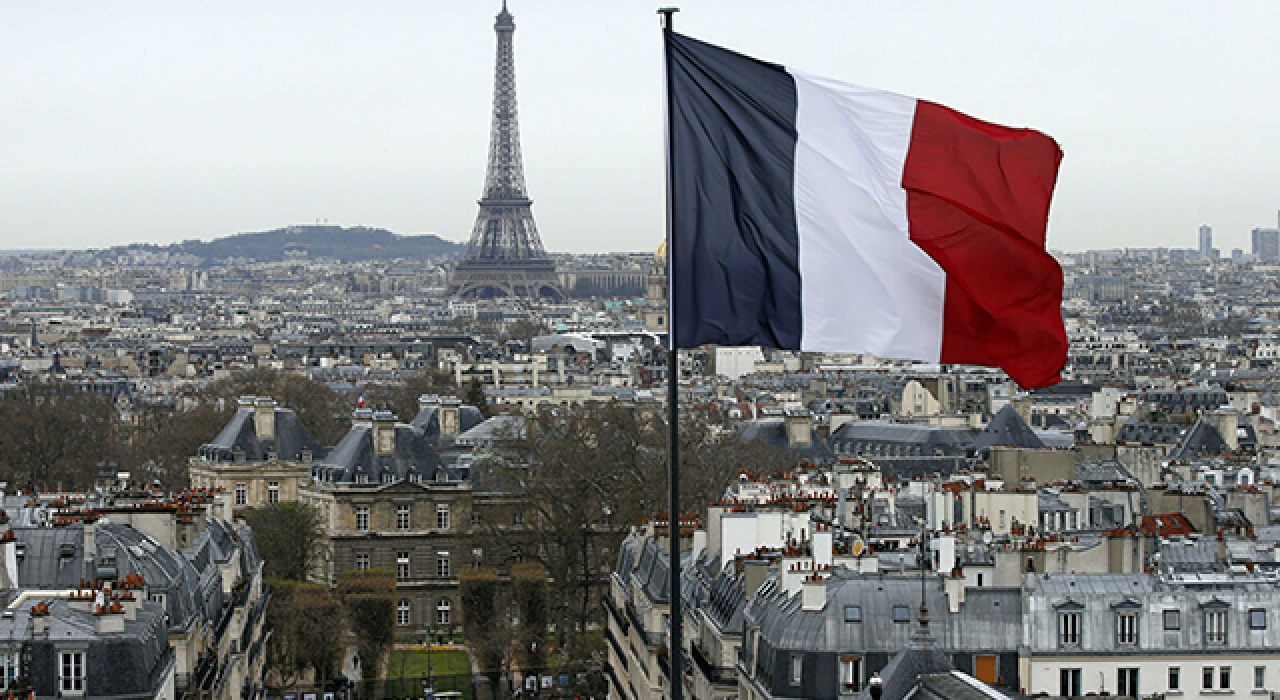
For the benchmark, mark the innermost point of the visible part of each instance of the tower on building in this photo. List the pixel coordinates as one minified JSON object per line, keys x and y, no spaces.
{"x":1266,"y":244}
{"x":505,"y":257}
{"x":1206,"y":242}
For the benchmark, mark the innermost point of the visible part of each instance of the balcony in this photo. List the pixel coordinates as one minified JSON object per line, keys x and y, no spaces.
{"x":621,"y":621}
{"x":617,"y":648}
{"x":710,"y":671}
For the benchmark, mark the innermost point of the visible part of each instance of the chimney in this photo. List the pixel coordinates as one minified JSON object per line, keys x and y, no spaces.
{"x":91,"y":542}
{"x":384,"y":433}
{"x":1227,"y":421}
{"x":40,"y":620}
{"x":264,"y":418}
{"x":814,"y":593}
{"x":450,"y":416}
{"x":954,"y":585}
{"x":822,"y":549}
{"x":131,"y":604}
{"x":9,"y":559}
{"x":799,"y":428}
{"x":1022,"y":404}
{"x":699,"y":543}
{"x":109,"y":618}
{"x":754,"y":573}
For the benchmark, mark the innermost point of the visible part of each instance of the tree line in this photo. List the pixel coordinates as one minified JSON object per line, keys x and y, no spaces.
{"x":59,"y":435}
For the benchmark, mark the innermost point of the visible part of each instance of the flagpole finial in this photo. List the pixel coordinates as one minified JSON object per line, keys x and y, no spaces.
{"x":668,"y":16}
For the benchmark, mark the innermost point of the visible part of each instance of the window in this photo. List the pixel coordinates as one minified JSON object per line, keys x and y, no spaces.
{"x":402,"y":517}
{"x":1257,"y":619}
{"x":402,"y":566}
{"x":475,"y":518}
{"x":71,"y":677}
{"x":362,"y":518}
{"x":797,"y":668}
{"x":1069,"y":682}
{"x":1259,"y":677}
{"x":850,"y":674}
{"x":1206,"y":679}
{"x":388,"y":478}
{"x":1224,"y":678}
{"x":362,"y":478}
{"x":8,"y":669}
{"x":402,"y":612}
{"x":1175,"y":678}
{"x":1172,"y":619}
{"x":242,"y":493}
{"x":1127,"y":682}
{"x":362,"y":562}
{"x":442,"y":564}
{"x":273,"y":492}
{"x":853,"y":613}
{"x":1069,"y":628}
{"x":901,"y":613}
{"x":443,"y":610}
{"x":1127,"y":629}
{"x":1215,"y":626}
{"x":442,"y":516}
{"x":518,"y":517}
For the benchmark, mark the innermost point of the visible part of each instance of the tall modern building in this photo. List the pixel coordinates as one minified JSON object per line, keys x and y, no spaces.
{"x":1206,"y":242}
{"x":1266,"y":244}
{"x":505,"y":257}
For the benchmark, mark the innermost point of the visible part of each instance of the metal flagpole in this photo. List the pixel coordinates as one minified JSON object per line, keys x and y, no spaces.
{"x":675,"y":648}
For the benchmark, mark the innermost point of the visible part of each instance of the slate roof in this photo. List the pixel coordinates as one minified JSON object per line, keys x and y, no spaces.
{"x":903,"y":671}
{"x":137,"y":657}
{"x":905,"y":433}
{"x":1203,"y":439}
{"x":428,"y":419}
{"x":772,"y":430}
{"x":1007,"y":429}
{"x":1190,"y":556}
{"x":240,"y":435}
{"x":1091,"y":584}
{"x":354,"y":457}
{"x":1151,"y":433}
{"x":954,"y":685}
{"x":493,"y":430}
{"x":187,"y":593}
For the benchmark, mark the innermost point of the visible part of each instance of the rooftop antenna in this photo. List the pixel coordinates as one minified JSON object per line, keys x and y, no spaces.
{"x":922,"y":635}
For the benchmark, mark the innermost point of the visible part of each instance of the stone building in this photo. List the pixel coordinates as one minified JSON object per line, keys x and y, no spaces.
{"x":389,"y":501}
{"x":262,"y":455}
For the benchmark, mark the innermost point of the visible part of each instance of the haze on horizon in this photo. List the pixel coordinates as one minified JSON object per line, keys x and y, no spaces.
{"x":150,"y":122}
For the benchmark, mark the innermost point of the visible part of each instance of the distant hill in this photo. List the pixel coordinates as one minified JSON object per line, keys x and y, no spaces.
{"x":319,"y":241}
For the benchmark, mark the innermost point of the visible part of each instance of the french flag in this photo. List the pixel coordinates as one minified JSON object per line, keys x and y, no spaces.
{"x":815,"y":215}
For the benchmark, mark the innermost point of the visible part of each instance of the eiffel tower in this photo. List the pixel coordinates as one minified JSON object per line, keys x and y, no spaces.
{"x":505,"y":257}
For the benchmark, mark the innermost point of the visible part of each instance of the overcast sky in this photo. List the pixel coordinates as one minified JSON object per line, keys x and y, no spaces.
{"x":159,"y":121}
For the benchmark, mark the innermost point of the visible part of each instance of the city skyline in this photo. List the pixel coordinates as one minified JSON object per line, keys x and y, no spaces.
{"x":142,"y":123}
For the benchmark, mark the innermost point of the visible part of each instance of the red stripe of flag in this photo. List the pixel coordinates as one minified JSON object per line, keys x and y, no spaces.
{"x":978,"y":203}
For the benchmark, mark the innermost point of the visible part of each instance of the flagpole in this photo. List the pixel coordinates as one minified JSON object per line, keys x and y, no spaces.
{"x":675,"y":649}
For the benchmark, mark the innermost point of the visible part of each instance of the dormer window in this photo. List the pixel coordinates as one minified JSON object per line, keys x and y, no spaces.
{"x":1070,"y":624}
{"x":1127,"y":628}
{"x":1215,"y":621}
{"x":1215,"y":626}
{"x":1126,"y":622}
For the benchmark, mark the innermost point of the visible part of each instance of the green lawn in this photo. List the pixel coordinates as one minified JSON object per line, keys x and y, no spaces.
{"x":411,"y":663}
